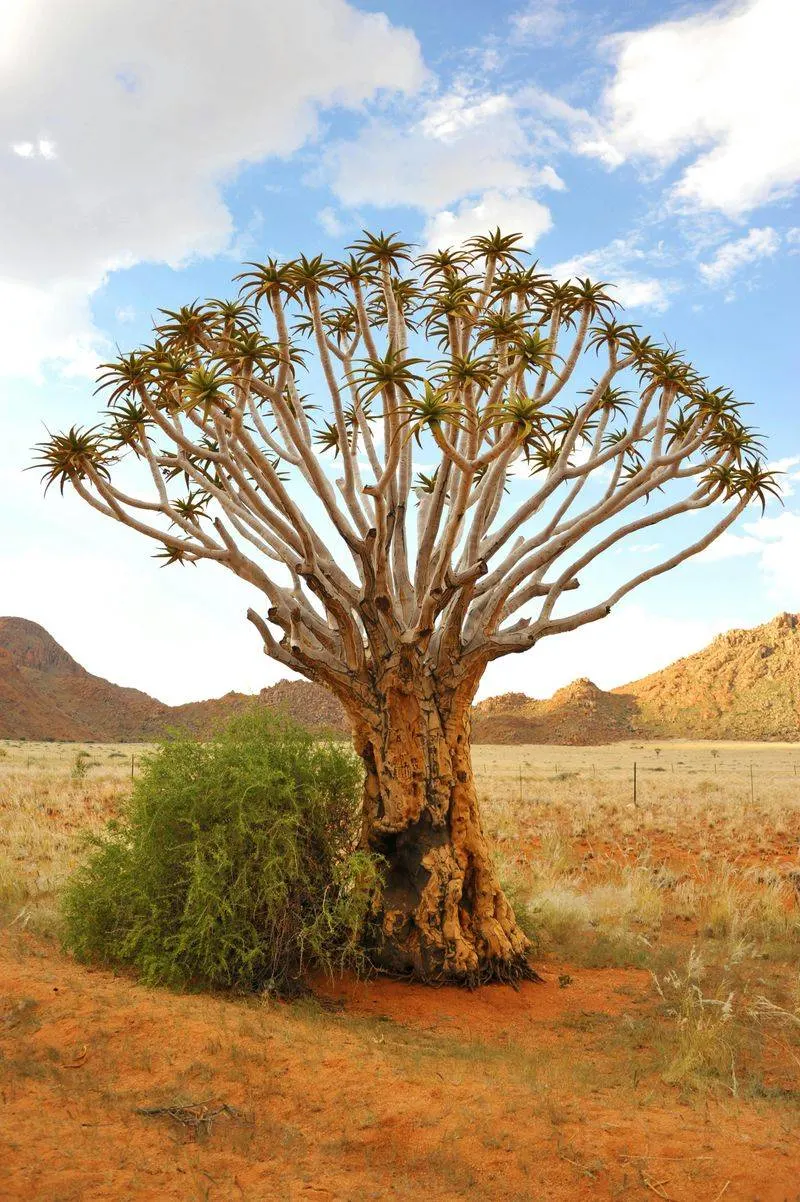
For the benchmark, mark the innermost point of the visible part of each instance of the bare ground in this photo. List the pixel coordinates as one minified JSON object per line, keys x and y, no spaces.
{"x":606,"y":1081}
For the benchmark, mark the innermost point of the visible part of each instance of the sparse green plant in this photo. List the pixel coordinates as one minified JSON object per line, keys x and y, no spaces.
{"x":235,"y":864}
{"x":80,"y":765}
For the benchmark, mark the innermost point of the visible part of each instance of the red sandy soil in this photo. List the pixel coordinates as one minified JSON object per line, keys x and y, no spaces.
{"x":384,"y":1090}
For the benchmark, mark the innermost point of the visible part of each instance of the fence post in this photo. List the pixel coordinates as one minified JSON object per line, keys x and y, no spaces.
{"x":634,"y":782}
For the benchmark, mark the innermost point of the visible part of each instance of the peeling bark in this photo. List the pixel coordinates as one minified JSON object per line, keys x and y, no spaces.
{"x":442,"y":915}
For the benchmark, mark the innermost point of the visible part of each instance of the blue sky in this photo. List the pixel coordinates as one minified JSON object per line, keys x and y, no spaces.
{"x":148,"y":149}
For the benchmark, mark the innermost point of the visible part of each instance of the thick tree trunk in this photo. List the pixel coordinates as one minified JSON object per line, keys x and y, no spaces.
{"x":442,"y":915}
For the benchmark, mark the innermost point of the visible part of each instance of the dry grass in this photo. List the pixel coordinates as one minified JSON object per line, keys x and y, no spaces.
{"x":45,"y":810}
{"x":698,"y":882}
{"x":702,"y":871}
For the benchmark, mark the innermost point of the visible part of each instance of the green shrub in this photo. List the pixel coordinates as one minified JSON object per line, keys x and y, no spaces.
{"x":234,"y":864}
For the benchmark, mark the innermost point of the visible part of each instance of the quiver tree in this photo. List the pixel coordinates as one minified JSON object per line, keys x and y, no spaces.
{"x":276,"y":435}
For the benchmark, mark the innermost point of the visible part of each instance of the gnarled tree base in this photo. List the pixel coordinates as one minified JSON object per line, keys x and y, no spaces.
{"x":442,"y":915}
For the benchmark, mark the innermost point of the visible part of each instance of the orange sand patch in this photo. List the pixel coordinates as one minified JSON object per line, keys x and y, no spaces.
{"x":403,"y":1092}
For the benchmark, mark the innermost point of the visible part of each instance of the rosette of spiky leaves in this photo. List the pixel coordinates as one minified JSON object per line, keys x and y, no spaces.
{"x":327,"y":438}
{"x":426,"y":484}
{"x":68,"y":457}
{"x":443,"y":263}
{"x":561,"y":300}
{"x":188,"y":327}
{"x":433,"y":409}
{"x":126,"y":425}
{"x":351,"y":415}
{"x":356,"y":272}
{"x":206,"y":389}
{"x":125,"y":375}
{"x":170,"y":372}
{"x":266,"y":281}
{"x":614,"y":438}
{"x":461,"y":372}
{"x":394,"y":372}
{"x":667,"y":369}
{"x":716,"y":405}
{"x":453,"y":299}
{"x":193,"y":506}
{"x":591,"y":297}
{"x":387,"y":250}
{"x":497,"y":247}
{"x":620,"y":338}
{"x":757,"y":482}
{"x":735,"y":439}
{"x":524,"y":413}
{"x":501,"y":327}
{"x":612,"y":401}
{"x":562,"y":421}
{"x":314,"y":276}
{"x":233,"y":315}
{"x":173,"y":554}
{"x":534,"y":350}
{"x":341,"y":324}
{"x":247,"y":351}
{"x":528,"y":287}
{"x":678,"y":427}
{"x":542,"y":453}
{"x":632,"y":464}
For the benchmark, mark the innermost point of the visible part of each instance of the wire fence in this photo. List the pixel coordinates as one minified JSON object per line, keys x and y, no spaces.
{"x":749,"y":770}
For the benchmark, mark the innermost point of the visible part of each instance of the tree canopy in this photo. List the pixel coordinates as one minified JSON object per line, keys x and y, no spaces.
{"x":472,"y":359}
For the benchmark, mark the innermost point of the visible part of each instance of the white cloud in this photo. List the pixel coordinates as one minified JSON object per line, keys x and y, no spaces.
{"x":775,"y":541}
{"x":541,"y":21}
{"x":719,"y":87}
{"x":788,"y":474}
{"x":624,"y":265}
{"x":469,"y":161}
{"x":42,"y":149}
{"x":48,"y":322}
{"x":330,"y":222}
{"x":462,"y":145}
{"x":732,"y":256}
{"x":512,"y":212}
{"x":125,"y":121}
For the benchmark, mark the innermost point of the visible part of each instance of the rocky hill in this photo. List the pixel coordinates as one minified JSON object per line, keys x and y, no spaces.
{"x":579,"y":713}
{"x":46,"y":694}
{"x":744,"y":685}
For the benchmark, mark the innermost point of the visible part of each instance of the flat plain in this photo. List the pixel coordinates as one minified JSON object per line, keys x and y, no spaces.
{"x":658,"y":1057}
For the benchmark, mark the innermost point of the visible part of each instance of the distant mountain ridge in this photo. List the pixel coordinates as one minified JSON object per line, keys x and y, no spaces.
{"x":744,"y":685}
{"x":46,"y":694}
